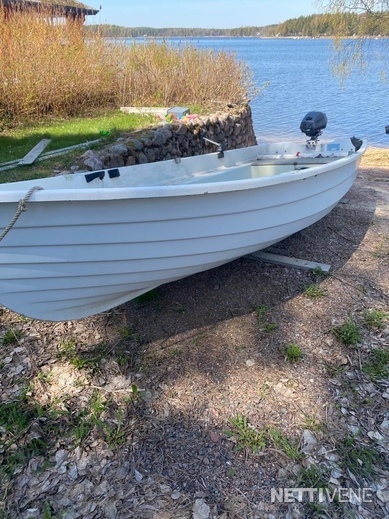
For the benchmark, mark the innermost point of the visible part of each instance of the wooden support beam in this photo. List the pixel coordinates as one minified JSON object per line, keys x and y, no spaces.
{"x":285,"y":261}
{"x":33,"y":154}
{"x":4,"y":166}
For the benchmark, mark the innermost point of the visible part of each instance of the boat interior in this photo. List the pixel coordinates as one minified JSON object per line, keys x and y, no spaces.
{"x":258,"y":169}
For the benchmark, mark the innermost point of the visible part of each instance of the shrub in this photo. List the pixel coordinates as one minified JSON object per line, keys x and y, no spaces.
{"x":51,"y":69}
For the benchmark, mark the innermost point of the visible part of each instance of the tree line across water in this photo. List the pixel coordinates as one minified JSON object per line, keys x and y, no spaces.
{"x":313,"y":26}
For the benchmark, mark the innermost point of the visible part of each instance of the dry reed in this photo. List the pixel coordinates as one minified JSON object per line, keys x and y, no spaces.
{"x":51,"y":69}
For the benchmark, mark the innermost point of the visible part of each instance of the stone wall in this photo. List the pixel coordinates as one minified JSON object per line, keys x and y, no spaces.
{"x":232,"y":128}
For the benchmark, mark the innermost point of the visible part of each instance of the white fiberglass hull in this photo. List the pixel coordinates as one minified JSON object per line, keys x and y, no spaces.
{"x":79,"y":251}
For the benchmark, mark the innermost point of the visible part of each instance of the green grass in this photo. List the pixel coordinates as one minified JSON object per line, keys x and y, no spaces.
{"x":348,"y":333}
{"x":263,"y":316}
{"x":245,"y":435}
{"x":375,"y":318}
{"x":312,"y":477}
{"x":17,"y":142}
{"x":70,"y":351}
{"x":318,"y":273}
{"x":16,"y":419}
{"x":314,"y":291}
{"x":377,"y":365}
{"x":11,"y":336}
{"x":281,"y":442}
{"x":249,"y":438}
{"x":293,"y":352}
{"x":359,"y":459}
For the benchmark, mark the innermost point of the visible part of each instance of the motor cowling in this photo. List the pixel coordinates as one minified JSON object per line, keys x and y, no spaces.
{"x":313,"y":124}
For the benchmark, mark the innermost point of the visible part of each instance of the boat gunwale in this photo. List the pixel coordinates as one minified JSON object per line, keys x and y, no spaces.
{"x":178,"y":188}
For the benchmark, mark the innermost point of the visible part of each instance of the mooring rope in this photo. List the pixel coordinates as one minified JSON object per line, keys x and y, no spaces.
{"x":21,"y":208}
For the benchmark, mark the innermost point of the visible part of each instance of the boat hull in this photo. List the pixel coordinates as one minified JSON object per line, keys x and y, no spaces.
{"x":72,"y":258}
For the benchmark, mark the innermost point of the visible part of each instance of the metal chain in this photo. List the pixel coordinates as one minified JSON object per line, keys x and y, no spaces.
{"x":21,"y":208}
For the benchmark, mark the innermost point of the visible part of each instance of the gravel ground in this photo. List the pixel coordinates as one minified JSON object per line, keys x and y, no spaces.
{"x":215,"y":394}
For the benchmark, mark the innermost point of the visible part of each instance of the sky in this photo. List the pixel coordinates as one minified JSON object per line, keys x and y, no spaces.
{"x":218,"y":14}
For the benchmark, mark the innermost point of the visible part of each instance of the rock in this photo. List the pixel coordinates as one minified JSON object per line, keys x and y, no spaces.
{"x":161,"y":136}
{"x":116,"y":162}
{"x":118,"y":150}
{"x":385,"y":426}
{"x":150,"y":154}
{"x":375,"y":435}
{"x":383,"y":495}
{"x":134,"y":144}
{"x":176,"y":495}
{"x":92,"y":161}
{"x":142,"y":159}
{"x":138,"y":476}
{"x":201,"y":510}
{"x":131,"y":161}
{"x":308,"y":441}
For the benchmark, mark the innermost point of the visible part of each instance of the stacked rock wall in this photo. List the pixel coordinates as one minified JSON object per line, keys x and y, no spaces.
{"x":232,"y":128}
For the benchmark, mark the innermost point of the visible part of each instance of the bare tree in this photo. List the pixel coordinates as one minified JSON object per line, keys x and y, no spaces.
{"x":358,"y":52}
{"x":357,"y":6}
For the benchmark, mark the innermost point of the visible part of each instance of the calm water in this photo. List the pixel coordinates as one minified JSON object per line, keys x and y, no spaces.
{"x":300,"y":81}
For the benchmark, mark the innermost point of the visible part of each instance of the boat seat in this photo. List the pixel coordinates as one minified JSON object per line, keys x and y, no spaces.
{"x":293,"y":162}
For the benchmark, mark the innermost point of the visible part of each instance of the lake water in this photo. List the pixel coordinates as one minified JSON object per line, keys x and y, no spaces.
{"x":300,"y":80}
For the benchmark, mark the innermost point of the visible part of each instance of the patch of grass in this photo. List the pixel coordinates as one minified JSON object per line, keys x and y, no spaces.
{"x":47,"y":511}
{"x":348,"y":332}
{"x":115,"y":434}
{"x":196,"y":341}
{"x":314,"y":291}
{"x":280,"y":441}
{"x":375,"y":318}
{"x":90,"y":417}
{"x":28,"y":429}
{"x":319,"y":273}
{"x":312,"y":423}
{"x":293,"y":352}
{"x":263,"y":391}
{"x":312,"y":477}
{"x":16,"y":419}
{"x":270,"y":327}
{"x":69,"y":350}
{"x":11,"y":336}
{"x":63,"y":133}
{"x":126,"y":333}
{"x":245,"y":435}
{"x":263,"y":316}
{"x":93,"y":418}
{"x":261,"y":311}
{"x":377,"y":366}
{"x":361,"y":460}
{"x":44,"y":376}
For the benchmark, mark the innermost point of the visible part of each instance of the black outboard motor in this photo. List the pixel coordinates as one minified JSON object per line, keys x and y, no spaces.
{"x":313,"y":124}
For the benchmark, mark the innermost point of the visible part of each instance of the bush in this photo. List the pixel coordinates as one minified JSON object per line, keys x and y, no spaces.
{"x":49,"y":69}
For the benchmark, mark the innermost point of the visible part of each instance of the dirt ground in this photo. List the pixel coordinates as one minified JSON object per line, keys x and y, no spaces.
{"x":216,"y":393}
